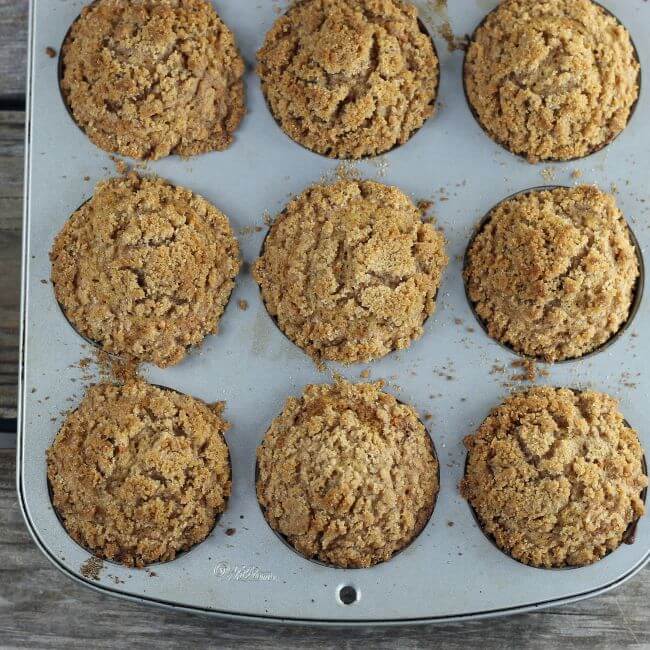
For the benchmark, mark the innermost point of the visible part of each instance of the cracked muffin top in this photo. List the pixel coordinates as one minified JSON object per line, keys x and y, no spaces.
{"x":139,"y":473}
{"x":350,"y":272}
{"x":150,"y":78}
{"x":347,"y":474}
{"x":552,"y":79}
{"x":144,"y":269}
{"x":349,"y":78}
{"x":555,"y":476}
{"x":553,"y":274}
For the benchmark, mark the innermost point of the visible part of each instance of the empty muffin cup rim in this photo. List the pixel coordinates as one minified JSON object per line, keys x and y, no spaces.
{"x":637,"y":291}
{"x":594,"y":150}
{"x":628,"y":537}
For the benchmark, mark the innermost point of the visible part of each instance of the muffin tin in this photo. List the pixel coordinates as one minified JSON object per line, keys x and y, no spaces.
{"x":454,"y":372}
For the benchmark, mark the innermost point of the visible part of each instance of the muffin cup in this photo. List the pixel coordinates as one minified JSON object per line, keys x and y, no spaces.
{"x":315,"y":560}
{"x":628,"y":536}
{"x":523,"y":156}
{"x":425,"y":31}
{"x":150,"y":564}
{"x":634,"y":306}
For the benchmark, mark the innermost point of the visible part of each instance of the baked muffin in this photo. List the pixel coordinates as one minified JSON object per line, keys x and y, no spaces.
{"x":150,"y":78}
{"x":349,"y":78}
{"x":347,"y":475}
{"x":139,"y":473}
{"x":553,"y":273}
{"x":552,"y":79}
{"x":350,"y":272}
{"x":144,"y":269}
{"x":555,"y":476}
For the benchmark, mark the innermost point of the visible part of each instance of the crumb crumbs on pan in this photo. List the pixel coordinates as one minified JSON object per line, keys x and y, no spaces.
{"x":92,"y":568}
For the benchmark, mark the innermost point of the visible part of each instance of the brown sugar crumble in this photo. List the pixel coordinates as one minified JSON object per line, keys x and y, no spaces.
{"x":553,"y":273}
{"x":555,"y":476}
{"x":139,"y":473}
{"x":148,"y":79}
{"x":350,"y":272}
{"x":349,"y":78}
{"x":552,"y":79}
{"x":347,"y":474}
{"x":145,"y":269}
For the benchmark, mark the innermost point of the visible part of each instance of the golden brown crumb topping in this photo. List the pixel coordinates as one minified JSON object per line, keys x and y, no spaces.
{"x":553,"y":273}
{"x":150,"y":78}
{"x":349,"y":78}
{"x":139,"y":473}
{"x":350,"y":272}
{"x":555,"y":476}
{"x":144,"y":268}
{"x":347,"y":474}
{"x":552,"y":79}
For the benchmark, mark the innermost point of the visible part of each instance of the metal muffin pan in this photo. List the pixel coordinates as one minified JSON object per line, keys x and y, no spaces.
{"x":451,"y":571}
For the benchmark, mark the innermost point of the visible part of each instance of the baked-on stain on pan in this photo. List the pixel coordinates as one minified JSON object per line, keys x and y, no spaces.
{"x":629,"y":535}
{"x":634,"y":306}
{"x":552,"y":160}
{"x":181,"y":553}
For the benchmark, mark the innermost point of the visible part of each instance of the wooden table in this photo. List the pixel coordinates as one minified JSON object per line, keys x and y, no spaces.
{"x":41,"y":608}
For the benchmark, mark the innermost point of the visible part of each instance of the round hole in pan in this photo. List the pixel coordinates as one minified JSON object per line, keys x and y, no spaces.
{"x":628,"y":536}
{"x":523,"y":156}
{"x":315,"y":560}
{"x":423,"y":30}
{"x":116,"y":562}
{"x":634,"y":306}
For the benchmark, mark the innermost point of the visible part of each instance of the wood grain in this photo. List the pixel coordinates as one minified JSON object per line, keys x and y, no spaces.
{"x":41,"y":608}
{"x":13,"y":50}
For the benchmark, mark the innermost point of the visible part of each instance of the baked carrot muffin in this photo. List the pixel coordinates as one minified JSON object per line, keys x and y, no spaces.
{"x":552,"y":79}
{"x":139,"y":473}
{"x":144,"y":269}
{"x":347,"y":475}
{"x":150,"y":78}
{"x":349,"y":78}
{"x":555,"y":476}
{"x":553,"y":273}
{"x":350,"y":272}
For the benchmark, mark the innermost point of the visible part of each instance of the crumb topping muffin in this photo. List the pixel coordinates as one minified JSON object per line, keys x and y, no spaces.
{"x":555,"y":476}
{"x":552,"y":79}
{"x":139,"y":473}
{"x":553,"y":274}
{"x":150,"y":78}
{"x":347,"y":474}
{"x":145,"y":269}
{"x":350,"y":272}
{"x":349,"y":78}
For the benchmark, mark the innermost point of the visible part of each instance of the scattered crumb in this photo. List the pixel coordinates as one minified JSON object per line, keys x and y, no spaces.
{"x":50,"y":51}
{"x":230,"y":531}
{"x":365,"y":373}
{"x":92,"y":568}
{"x":548,"y":174}
{"x":242,"y":304}
{"x":576,"y":173}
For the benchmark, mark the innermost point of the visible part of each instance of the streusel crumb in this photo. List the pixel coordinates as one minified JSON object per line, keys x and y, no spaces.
{"x":347,"y":474}
{"x":150,"y":78}
{"x":349,"y":78}
{"x":140,"y":473}
{"x":553,"y":273}
{"x":145,"y":269}
{"x":350,"y":272}
{"x":555,"y":476}
{"x":552,"y":79}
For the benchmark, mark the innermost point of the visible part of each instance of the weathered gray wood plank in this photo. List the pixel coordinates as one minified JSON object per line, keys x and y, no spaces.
{"x":13,"y":48}
{"x":11,"y":187}
{"x":41,"y":608}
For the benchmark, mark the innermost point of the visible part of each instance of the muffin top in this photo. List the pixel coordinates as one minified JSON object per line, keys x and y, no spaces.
{"x":347,"y":474}
{"x":555,"y":476}
{"x":349,"y":78}
{"x":150,"y":78}
{"x":145,"y":269}
{"x":139,"y":473}
{"x":349,"y":270}
{"x":553,"y":273}
{"x":552,"y":79}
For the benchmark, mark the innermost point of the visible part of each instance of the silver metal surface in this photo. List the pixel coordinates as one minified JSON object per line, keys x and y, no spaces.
{"x":450,"y":571}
